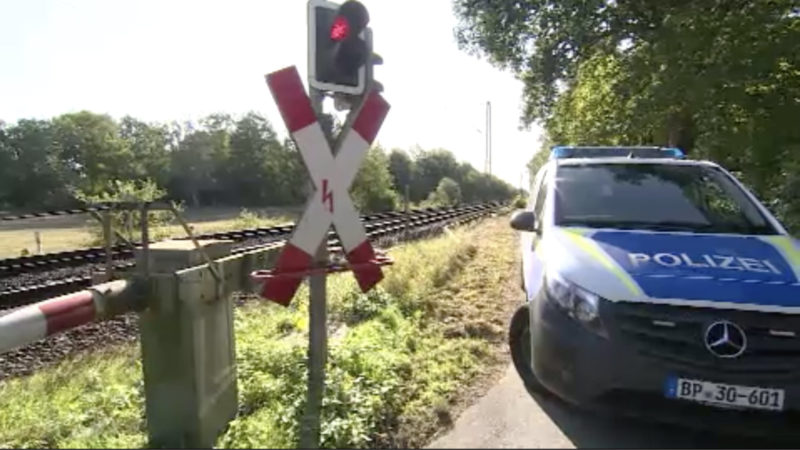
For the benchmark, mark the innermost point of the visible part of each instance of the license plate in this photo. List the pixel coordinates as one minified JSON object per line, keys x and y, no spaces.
{"x":724,"y":395}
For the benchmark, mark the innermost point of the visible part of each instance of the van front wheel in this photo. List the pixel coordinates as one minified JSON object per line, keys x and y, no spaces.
{"x":519,"y":337}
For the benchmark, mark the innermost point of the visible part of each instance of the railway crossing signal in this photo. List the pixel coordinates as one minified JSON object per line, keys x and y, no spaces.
{"x":340,"y":62}
{"x":339,"y":47}
{"x":330,"y":203}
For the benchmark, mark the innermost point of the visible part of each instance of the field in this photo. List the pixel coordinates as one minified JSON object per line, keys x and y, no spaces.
{"x":401,"y":358}
{"x":72,"y":232}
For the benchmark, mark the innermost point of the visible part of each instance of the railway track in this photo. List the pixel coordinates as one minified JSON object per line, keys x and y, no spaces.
{"x":384,"y":231}
{"x":32,"y":278}
{"x":73,"y":258}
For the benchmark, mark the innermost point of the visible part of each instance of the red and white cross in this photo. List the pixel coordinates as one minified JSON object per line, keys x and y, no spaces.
{"x":330,"y":203}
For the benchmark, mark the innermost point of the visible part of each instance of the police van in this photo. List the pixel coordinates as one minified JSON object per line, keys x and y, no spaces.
{"x":660,"y":285}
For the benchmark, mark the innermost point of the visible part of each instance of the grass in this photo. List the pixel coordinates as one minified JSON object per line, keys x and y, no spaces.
{"x":67,"y":233}
{"x":93,"y":400}
{"x":399,"y":355}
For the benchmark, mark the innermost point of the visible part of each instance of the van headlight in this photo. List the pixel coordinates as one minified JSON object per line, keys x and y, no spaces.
{"x":576,"y":302}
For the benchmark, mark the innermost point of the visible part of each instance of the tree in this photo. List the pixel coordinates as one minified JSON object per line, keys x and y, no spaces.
{"x":194,"y":167}
{"x":714,"y":78}
{"x":35,"y":174}
{"x":665,"y":43}
{"x":86,"y":156}
{"x":430,"y":167}
{"x":294,"y":175}
{"x":372,"y":188}
{"x":7,"y":167}
{"x":247,"y":176}
{"x":260,"y":170}
{"x":401,"y":168}
{"x":91,"y":149}
{"x":148,"y":144}
{"x":447,"y":193}
{"x":539,"y":159}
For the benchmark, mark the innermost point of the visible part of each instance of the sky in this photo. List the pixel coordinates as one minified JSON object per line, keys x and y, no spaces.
{"x":181,"y":60}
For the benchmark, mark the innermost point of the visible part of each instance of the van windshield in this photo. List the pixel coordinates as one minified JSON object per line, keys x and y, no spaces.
{"x":666,"y":197}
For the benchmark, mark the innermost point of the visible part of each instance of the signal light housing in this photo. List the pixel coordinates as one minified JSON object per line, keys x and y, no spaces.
{"x":338,"y":48}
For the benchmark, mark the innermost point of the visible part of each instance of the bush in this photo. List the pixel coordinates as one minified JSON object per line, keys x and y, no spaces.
{"x":519,"y":202}
{"x":127,"y":223}
{"x":447,"y":193}
{"x":357,"y":307}
{"x":372,"y":188}
{"x":247,"y":219}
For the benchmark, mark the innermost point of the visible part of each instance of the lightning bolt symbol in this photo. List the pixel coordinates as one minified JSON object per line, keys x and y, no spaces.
{"x":327,"y":196}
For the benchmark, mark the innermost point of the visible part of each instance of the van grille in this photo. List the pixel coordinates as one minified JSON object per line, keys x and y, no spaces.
{"x":674,"y":336}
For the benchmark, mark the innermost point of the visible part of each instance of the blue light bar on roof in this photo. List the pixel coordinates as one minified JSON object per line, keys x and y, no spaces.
{"x":564,"y":152}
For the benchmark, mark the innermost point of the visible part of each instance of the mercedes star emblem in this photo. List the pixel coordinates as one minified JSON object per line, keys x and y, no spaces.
{"x":725,"y":339}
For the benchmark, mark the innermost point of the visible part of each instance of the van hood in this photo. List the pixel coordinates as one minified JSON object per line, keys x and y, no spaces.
{"x":722,"y":271}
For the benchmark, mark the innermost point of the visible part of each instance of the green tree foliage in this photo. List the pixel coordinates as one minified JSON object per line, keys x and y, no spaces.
{"x":32,"y":173}
{"x":259,"y":169}
{"x":127,"y":222}
{"x":194,"y":168}
{"x":372,"y":187}
{"x":447,"y":193}
{"x":430,"y":166}
{"x":218,"y":160}
{"x":92,"y":150}
{"x":719,"y":79}
{"x":539,"y":159}
{"x":401,"y":167}
{"x":148,"y":144}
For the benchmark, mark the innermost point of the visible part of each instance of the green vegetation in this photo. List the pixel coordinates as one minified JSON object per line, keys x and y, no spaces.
{"x":719,"y":79}
{"x":221,"y":160}
{"x":128,"y":223}
{"x":448,"y":192}
{"x":398,"y":356}
{"x":423,"y":170}
{"x":372,"y":188}
{"x":251,"y":219}
{"x":91,"y":401}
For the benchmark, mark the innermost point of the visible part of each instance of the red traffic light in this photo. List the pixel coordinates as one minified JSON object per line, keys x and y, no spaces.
{"x":340,"y":28}
{"x":351,"y":18}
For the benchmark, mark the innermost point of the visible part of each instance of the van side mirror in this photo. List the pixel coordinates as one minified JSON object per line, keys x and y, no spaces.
{"x":523,"y":220}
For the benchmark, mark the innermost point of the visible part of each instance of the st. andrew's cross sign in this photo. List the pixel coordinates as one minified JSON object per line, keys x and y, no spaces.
{"x":330,"y":202}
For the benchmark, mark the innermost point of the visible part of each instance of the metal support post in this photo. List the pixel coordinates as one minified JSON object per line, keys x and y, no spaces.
{"x":317,"y":326}
{"x":330,"y":180}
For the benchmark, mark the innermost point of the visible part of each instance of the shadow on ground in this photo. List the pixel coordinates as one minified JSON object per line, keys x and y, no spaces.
{"x":606,"y":430}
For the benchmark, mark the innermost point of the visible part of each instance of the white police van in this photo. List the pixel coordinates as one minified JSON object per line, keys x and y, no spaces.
{"x":659,"y":284}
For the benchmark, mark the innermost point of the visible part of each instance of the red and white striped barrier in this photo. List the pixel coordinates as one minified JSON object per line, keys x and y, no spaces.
{"x":332,"y":176}
{"x":39,"y":320}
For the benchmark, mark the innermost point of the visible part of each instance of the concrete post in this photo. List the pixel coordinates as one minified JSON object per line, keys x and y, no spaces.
{"x":187,"y":339}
